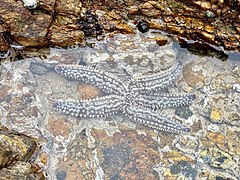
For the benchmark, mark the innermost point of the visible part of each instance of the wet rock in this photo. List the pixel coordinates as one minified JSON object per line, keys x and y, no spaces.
{"x":216,"y":115}
{"x":194,"y":79}
{"x":58,"y":127}
{"x":161,"y":41}
{"x":30,"y":4}
{"x":216,"y":158}
{"x":15,"y":153}
{"x":116,"y":156}
{"x":183,"y":112}
{"x":68,"y":7}
{"x":85,"y":148}
{"x":63,"y":33}
{"x":121,"y":158}
{"x":133,"y":10}
{"x":27,"y":29}
{"x":47,"y":5}
{"x":184,"y":168}
{"x":87,"y":91}
{"x":236,"y":71}
{"x":21,"y":170}
{"x":236,"y":87}
{"x":176,"y":156}
{"x":76,"y":163}
{"x":65,"y":38}
{"x":215,"y":175}
{"x":203,"y":50}
{"x":3,"y":44}
{"x":61,"y":175}
{"x":143,"y":26}
{"x":148,"y":10}
{"x":15,"y":147}
{"x":177,"y":163}
{"x":214,"y":22}
{"x":219,"y":154}
{"x":4,"y":92}
{"x":38,"y":68}
{"x":196,"y":126}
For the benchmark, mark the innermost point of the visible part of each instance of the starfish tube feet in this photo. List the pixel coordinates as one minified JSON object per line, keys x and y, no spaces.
{"x":154,"y":120}
{"x":98,"y":107}
{"x":107,"y":82}
{"x":162,"y":101}
{"x":157,"y":81}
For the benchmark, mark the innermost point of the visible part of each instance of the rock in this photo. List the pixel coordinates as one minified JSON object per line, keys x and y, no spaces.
{"x":193,"y":78}
{"x":236,"y":71}
{"x":161,"y":41}
{"x":214,"y":23}
{"x":15,"y":147}
{"x":87,"y":91}
{"x":185,"y":168}
{"x":65,"y":38}
{"x":219,"y":154}
{"x":114,"y":147}
{"x":58,"y":127}
{"x":176,"y":157}
{"x":15,"y":153}
{"x":214,"y":175}
{"x":47,"y":5}
{"x":73,"y":7}
{"x":21,"y":170}
{"x":30,"y":4}
{"x":117,"y":157}
{"x":236,"y":87}
{"x":216,"y":115}
{"x":3,"y":44}
{"x":143,"y":26}
{"x":183,"y":112}
{"x":65,"y":31}
{"x":149,"y":10}
{"x":27,"y":29}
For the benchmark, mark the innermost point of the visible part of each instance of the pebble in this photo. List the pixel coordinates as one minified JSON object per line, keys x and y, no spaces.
{"x":183,"y":112}
{"x":61,"y":175}
{"x":236,"y":87}
{"x":216,"y":114}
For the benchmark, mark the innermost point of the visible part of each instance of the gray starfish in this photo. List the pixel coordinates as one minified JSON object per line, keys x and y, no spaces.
{"x":137,"y":98}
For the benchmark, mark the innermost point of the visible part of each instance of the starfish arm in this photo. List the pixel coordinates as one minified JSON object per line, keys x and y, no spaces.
{"x":154,"y":120}
{"x":156,"y":81}
{"x":162,"y":101}
{"x":107,"y":82}
{"x":97,"y":107}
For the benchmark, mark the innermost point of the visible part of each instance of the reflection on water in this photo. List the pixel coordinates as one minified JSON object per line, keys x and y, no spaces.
{"x":86,"y":148}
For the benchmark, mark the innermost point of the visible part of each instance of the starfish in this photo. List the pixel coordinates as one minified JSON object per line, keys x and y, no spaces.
{"x":138,"y":98}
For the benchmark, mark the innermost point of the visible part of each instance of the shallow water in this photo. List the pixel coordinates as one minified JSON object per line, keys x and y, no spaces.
{"x":113,"y":147}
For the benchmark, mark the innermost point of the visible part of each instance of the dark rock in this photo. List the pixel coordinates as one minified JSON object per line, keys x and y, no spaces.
{"x":143,"y":26}
{"x":185,"y":168}
{"x":3,"y":44}
{"x":61,"y":175}
{"x":183,"y":112}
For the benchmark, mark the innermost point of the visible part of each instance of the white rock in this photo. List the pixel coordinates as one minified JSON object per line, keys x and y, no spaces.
{"x":30,"y":4}
{"x":236,"y":87}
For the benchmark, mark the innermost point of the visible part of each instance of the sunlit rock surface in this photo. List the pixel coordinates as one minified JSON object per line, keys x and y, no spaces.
{"x":114,"y":147}
{"x":68,"y":22}
{"x":17,"y":156}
